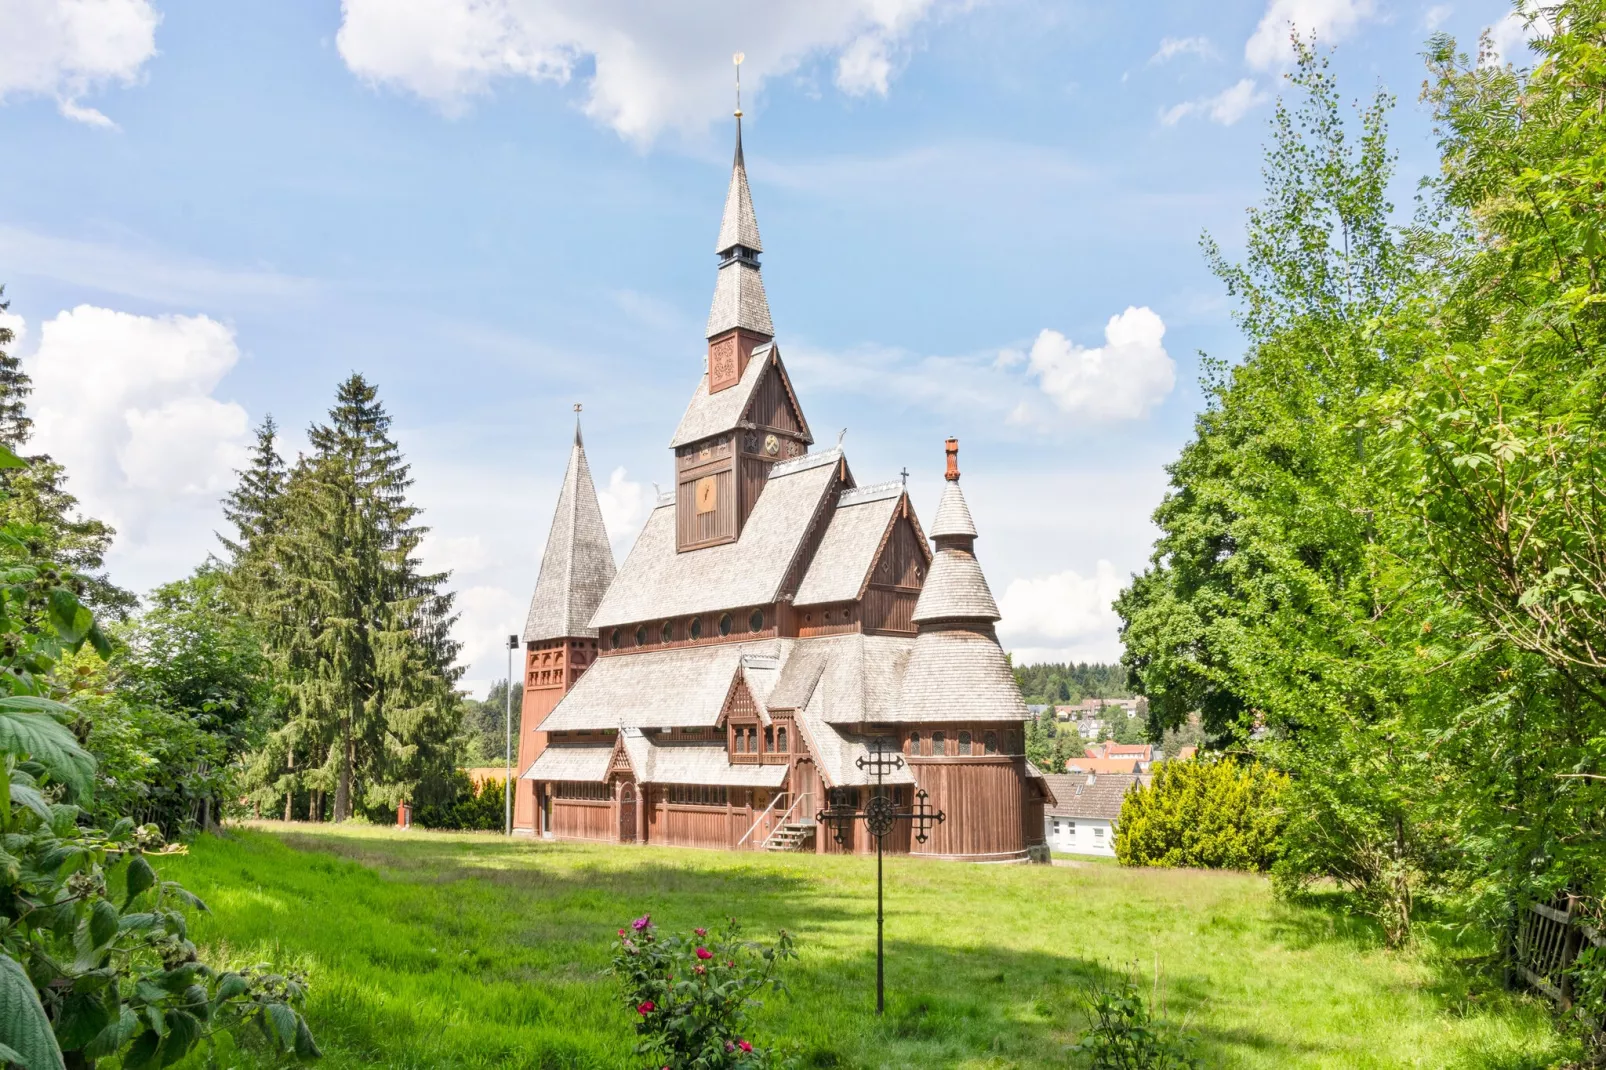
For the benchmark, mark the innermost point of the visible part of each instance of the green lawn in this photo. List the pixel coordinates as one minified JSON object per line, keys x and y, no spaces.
{"x":465,"y":950}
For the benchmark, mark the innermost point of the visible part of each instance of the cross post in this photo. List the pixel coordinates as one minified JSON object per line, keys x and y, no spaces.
{"x":879,"y":816}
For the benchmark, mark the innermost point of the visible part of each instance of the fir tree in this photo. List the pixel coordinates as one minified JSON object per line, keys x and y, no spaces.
{"x":362,"y":633}
{"x":36,"y":498}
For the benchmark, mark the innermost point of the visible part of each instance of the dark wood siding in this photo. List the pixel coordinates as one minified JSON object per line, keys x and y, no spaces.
{"x":692,"y":528}
{"x":984,"y":801}
{"x":772,"y":406}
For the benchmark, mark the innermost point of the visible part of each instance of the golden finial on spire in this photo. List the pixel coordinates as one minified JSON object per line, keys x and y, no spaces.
{"x":737,"y":59}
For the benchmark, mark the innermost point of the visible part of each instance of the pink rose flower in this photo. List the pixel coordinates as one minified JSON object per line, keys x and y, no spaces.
{"x":646,"y":1007}
{"x":704,"y":953}
{"x":700,"y":932}
{"x":744,"y":1045}
{"x":641,"y":922}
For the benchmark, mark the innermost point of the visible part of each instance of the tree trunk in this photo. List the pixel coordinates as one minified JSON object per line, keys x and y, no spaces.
{"x":290,"y":795}
{"x":343,"y":785}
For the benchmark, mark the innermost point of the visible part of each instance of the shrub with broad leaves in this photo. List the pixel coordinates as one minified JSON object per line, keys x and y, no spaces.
{"x":95,"y":957}
{"x":691,"y":994}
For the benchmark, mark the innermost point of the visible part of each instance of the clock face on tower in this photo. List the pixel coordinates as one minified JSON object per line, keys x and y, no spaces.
{"x":706,"y":495}
{"x":772,"y":445}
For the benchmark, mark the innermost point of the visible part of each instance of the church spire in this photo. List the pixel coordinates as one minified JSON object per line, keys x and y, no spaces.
{"x":578,"y":563}
{"x":739,"y":300}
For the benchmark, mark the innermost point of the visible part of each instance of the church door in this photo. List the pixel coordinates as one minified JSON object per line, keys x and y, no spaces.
{"x":627,"y":813}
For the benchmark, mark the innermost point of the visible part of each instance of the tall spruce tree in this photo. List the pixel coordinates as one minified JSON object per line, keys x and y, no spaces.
{"x":362,"y":633}
{"x":36,"y":496}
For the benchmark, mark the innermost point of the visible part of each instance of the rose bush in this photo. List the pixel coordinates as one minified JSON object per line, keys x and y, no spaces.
{"x":691,"y":995}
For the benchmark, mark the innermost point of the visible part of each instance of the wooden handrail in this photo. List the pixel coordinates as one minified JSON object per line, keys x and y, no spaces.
{"x":778,"y":797}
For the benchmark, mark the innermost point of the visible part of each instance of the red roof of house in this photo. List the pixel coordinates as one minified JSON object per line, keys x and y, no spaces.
{"x":1127,"y":765}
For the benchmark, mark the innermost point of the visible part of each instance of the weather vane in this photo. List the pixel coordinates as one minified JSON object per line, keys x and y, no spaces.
{"x":737,"y":59}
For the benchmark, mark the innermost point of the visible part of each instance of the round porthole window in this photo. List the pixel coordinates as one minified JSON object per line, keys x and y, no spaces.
{"x":695,"y":628}
{"x":641,"y":635}
{"x":755,"y":623}
{"x":669,"y":630}
{"x":618,"y":640}
{"x":725,"y":624}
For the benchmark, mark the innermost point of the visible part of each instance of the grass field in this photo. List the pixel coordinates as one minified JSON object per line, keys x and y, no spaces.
{"x":443,"y":950}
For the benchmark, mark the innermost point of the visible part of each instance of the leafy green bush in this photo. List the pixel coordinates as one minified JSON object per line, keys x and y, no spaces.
{"x":85,"y":975}
{"x":459,"y":804}
{"x":1124,"y":1034}
{"x":1205,"y":814}
{"x":691,"y":994}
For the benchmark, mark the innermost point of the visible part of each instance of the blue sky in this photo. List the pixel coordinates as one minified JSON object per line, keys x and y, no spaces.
{"x":497,"y":208}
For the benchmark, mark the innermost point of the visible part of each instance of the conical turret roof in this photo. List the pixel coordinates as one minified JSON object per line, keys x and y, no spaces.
{"x":577,"y":566}
{"x":739,"y":299}
{"x":953,"y":515}
{"x":955,"y":590}
{"x":738,"y":226}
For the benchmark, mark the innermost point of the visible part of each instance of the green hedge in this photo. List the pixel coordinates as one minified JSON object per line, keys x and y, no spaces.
{"x":464,"y":808}
{"x":1205,"y":814}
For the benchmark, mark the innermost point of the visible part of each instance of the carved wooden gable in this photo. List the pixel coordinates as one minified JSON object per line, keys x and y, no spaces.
{"x":619,"y":765}
{"x":739,"y":704}
{"x":774,"y":405}
{"x":903,"y":558}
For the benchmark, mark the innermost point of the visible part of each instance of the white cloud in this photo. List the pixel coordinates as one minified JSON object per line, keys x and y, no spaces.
{"x":1329,"y":20}
{"x":1508,"y":40}
{"x":1064,"y":616}
{"x":1226,"y":107}
{"x":125,"y":403}
{"x":457,"y":554}
{"x":66,"y":48}
{"x":625,"y":505}
{"x":1435,"y":16}
{"x":1172,"y":47}
{"x":653,"y":66}
{"x":1120,"y":380}
{"x":486,"y":617}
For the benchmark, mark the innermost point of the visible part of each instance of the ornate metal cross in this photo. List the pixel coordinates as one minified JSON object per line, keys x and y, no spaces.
{"x":880,"y":814}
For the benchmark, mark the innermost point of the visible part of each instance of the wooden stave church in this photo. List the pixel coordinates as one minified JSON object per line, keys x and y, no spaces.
{"x":773,"y":622}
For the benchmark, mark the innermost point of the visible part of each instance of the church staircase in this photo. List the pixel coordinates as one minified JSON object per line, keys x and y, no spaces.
{"x":791,"y":836}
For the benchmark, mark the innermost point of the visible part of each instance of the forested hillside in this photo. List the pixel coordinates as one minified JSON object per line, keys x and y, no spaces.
{"x":1054,"y":682}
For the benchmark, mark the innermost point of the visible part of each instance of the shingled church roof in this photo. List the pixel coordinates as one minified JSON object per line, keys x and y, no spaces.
{"x":657,"y":582}
{"x":577,"y":566}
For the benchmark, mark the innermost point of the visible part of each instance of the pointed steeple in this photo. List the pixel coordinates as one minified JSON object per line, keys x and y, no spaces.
{"x":577,"y":566}
{"x":739,"y":300}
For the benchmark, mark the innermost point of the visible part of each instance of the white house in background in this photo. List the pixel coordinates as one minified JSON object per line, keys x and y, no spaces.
{"x":1087,"y":809}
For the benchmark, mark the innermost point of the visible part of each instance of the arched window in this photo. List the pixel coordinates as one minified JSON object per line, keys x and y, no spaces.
{"x":724,"y":624}
{"x":741,"y":742}
{"x":755,"y":623}
{"x":752,"y":739}
{"x":964,"y":743}
{"x":769,"y":739}
{"x":914,"y":742}
{"x":939,"y":743}
{"x":780,"y":740}
{"x":641,"y":635}
{"x":695,"y":628}
{"x":618,"y":640}
{"x":669,"y":630}
{"x":990,"y":742}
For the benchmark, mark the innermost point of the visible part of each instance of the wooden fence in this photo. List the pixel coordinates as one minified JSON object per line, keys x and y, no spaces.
{"x":1549,"y":938}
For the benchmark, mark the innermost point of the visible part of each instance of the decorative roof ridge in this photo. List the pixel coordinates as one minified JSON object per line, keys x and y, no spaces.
{"x":875,"y":492}
{"x":805,"y":462}
{"x":665,"y":498}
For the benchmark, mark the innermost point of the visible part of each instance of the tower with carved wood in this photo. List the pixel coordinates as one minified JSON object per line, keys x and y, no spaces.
{"x":745,"y":416}
{"x":559,"y":643}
